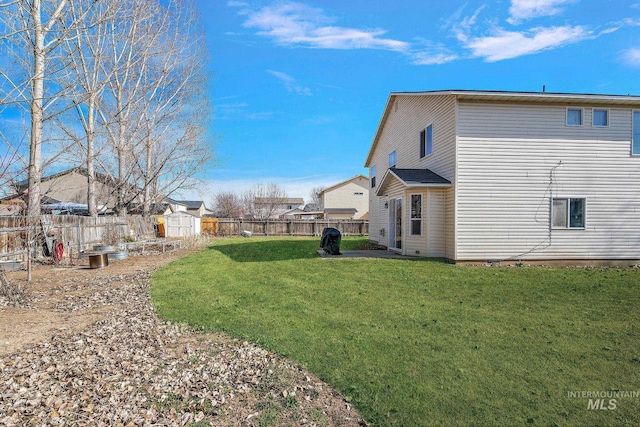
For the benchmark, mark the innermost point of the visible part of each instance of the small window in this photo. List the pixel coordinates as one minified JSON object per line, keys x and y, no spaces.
{"x":373,"y":176}
{"x":358,"y":193}
{"x":392,"y":159}
{"x":574,"y":116}
{"x":635,"y":142}
{"x":416,"y":214}
{"x":600,"y":118}
{"x":568,"y":213}
{"x":426,"y":141}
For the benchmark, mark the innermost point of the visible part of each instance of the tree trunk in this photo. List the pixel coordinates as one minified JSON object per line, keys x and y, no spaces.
{"x":91,"y":174}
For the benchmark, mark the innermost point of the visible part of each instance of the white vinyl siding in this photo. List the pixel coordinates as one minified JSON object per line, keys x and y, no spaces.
{"x":432,"y":241}
{"x":435,"y":217}
{"x":353,"y":194}
{"x":512,"y":159}
{"x":406,"y":119}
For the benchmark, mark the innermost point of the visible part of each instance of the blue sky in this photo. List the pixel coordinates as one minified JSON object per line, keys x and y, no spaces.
{"x":299,"y":87}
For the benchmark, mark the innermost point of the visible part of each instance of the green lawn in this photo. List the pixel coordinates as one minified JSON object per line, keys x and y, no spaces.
{"x":421,"y":342}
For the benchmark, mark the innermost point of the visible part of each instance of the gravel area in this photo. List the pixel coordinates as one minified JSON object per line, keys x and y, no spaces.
{"x":86,"y":348}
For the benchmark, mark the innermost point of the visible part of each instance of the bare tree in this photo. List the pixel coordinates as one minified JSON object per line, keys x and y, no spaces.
{"x":174,"y":107}
{"x":34,"y":30}
{"x":227,"y":205}
{"x":264,"y":201}
{"x":37,"y":28}
{"x":316,"y":197}
{"x":85,"y":80}
{"x":155,"y":104}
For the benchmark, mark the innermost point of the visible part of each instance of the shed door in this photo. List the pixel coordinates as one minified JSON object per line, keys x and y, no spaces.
{"x":179,"y":225}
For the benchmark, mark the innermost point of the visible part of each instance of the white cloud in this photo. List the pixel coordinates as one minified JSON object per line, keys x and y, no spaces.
{"x":507,"y":44}
{"x":433,"y":54}
{"x":631,"y":57}
{"x":290,"y":83}
{"x":462,"y":29}
{"x":239,"y":110}
{"x":296,"y":24}
{"x":522,"y":10}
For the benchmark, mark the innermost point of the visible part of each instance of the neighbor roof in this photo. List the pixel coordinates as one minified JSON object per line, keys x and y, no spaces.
{"x":191,"y":204}
{"x":511,"y":97}
{"x":340,"y":210}
{"x":355,"y":178}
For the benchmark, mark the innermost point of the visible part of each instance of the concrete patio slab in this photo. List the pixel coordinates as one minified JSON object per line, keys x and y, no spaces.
{"x":364,"y":254}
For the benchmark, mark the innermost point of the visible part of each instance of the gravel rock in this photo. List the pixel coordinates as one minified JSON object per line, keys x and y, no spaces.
{"x":131,"y":369}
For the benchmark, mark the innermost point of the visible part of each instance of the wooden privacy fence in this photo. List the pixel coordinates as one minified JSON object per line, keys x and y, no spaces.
{"x":286,"y":227}
{"x":76,"y":232}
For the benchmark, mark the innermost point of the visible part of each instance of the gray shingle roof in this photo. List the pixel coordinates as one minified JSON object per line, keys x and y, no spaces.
{"x":419,"y":176}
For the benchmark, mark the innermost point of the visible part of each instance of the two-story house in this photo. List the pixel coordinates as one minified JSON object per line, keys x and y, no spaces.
{"x":494,"y":176}
{"x":347,"y":199}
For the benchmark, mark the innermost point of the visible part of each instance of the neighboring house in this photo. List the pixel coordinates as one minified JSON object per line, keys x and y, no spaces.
{"x":70,"y":186}
{"x":263,"y":206}
{"x":195,"y":207}
{"x":347,"y":200}
{"x":491,"y":176}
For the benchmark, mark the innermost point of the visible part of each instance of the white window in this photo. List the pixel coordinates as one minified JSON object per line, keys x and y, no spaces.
{"x":416,"y":214}
{"x":373,"y":176}
{"x":635,"y":142}
{"x":568,"y":212}
{"x":600,"y":118}
{"x":426,"y":141}
{"x":392,"y":159}
{"x":574,"y":116}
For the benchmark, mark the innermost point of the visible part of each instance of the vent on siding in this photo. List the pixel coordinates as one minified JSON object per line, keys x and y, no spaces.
{"x":382,"y":232}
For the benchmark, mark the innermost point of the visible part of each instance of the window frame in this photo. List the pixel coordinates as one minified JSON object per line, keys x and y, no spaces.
{"x":395,"y":158}
{"x":372,"y":176}
{"x":415,"y":219}
{"x":607,"y":116}
{"x":426,"y":141}
{"x":634,"y":132}
{"x":581,"y":110}
{"x":567,"y":220}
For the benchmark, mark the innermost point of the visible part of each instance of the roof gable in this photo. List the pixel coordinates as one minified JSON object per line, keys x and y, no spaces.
{"x":355,"y":180}
{"x":630,"y":101}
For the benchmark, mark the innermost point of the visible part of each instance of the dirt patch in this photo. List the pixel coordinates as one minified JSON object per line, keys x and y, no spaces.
{"x":88,"y":349}
{"x":50,"y":284}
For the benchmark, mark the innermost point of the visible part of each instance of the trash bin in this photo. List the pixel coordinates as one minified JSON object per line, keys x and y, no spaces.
{"x":330,"y":241}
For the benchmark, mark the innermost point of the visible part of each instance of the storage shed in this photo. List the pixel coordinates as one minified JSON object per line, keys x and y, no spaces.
{"x":182,"y":224}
